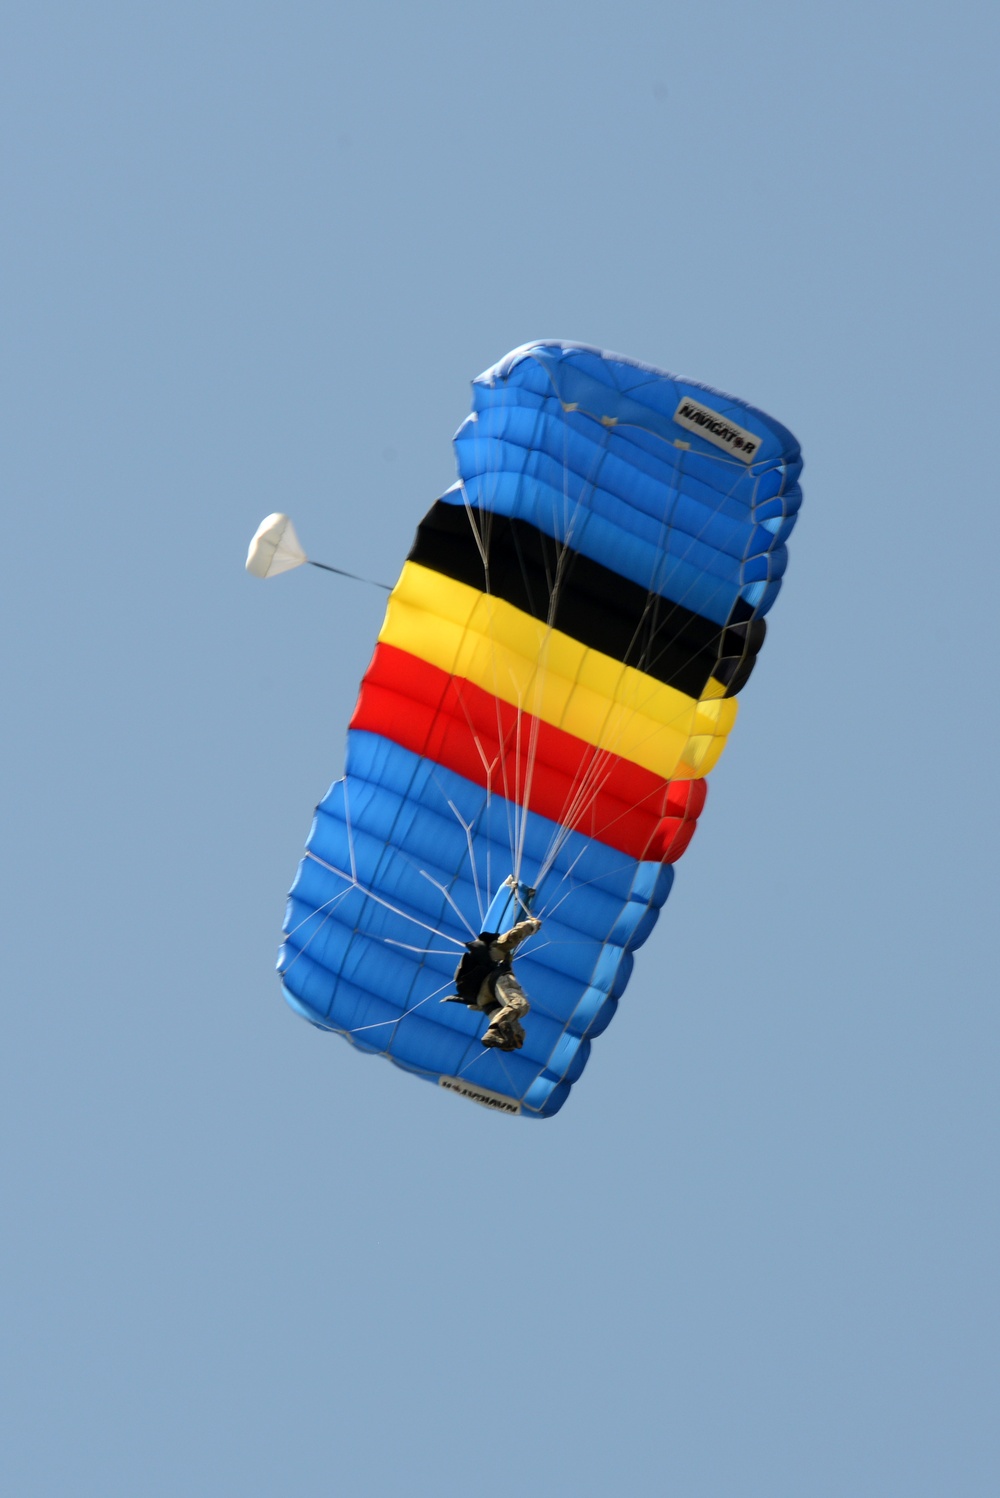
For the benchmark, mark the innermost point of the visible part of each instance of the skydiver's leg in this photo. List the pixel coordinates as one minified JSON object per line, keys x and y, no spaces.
{"x":512,"y":997}
{"x":505,"y":1030}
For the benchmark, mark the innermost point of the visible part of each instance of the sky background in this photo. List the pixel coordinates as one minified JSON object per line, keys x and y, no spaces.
{"x":253,"y":255}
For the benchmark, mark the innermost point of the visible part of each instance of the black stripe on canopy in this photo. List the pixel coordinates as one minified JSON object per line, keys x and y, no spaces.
{"x":596,"y":606}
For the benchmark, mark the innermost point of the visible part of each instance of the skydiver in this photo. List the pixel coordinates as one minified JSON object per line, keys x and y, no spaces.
{"x":485,"y":981}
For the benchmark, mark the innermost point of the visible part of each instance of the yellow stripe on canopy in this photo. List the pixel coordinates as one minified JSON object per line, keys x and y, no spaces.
{"x":553,"y":677}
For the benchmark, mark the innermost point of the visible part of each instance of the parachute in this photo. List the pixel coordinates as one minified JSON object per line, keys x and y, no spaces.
{"x":555,"y":676}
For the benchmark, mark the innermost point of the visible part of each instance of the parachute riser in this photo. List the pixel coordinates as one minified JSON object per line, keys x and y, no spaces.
{"x":510,"y":904}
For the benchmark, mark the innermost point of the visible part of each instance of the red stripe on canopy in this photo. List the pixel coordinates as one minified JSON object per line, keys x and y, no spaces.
{"x":554,"y":773}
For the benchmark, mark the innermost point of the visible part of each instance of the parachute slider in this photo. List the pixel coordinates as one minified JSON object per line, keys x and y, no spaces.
{"x":276,"y":548}
{"x":503,"y":909}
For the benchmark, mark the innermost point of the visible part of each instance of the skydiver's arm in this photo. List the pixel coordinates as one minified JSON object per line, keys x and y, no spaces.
{"x":512,"y":939}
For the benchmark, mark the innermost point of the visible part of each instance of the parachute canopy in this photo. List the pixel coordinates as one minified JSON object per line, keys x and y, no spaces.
{"x":555,"y":676}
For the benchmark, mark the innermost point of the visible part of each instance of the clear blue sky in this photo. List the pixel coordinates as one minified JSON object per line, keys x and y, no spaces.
{"x":253,"y":255}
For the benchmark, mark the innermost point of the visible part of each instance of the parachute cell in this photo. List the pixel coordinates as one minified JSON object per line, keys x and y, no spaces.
{"x":554,"y":678}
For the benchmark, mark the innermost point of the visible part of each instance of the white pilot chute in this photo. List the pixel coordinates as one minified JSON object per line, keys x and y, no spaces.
{"x":275,"y":548}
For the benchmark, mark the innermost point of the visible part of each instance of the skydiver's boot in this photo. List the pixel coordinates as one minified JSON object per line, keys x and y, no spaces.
{"x":506,"y":1036}
{"x":515,"y":1031}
